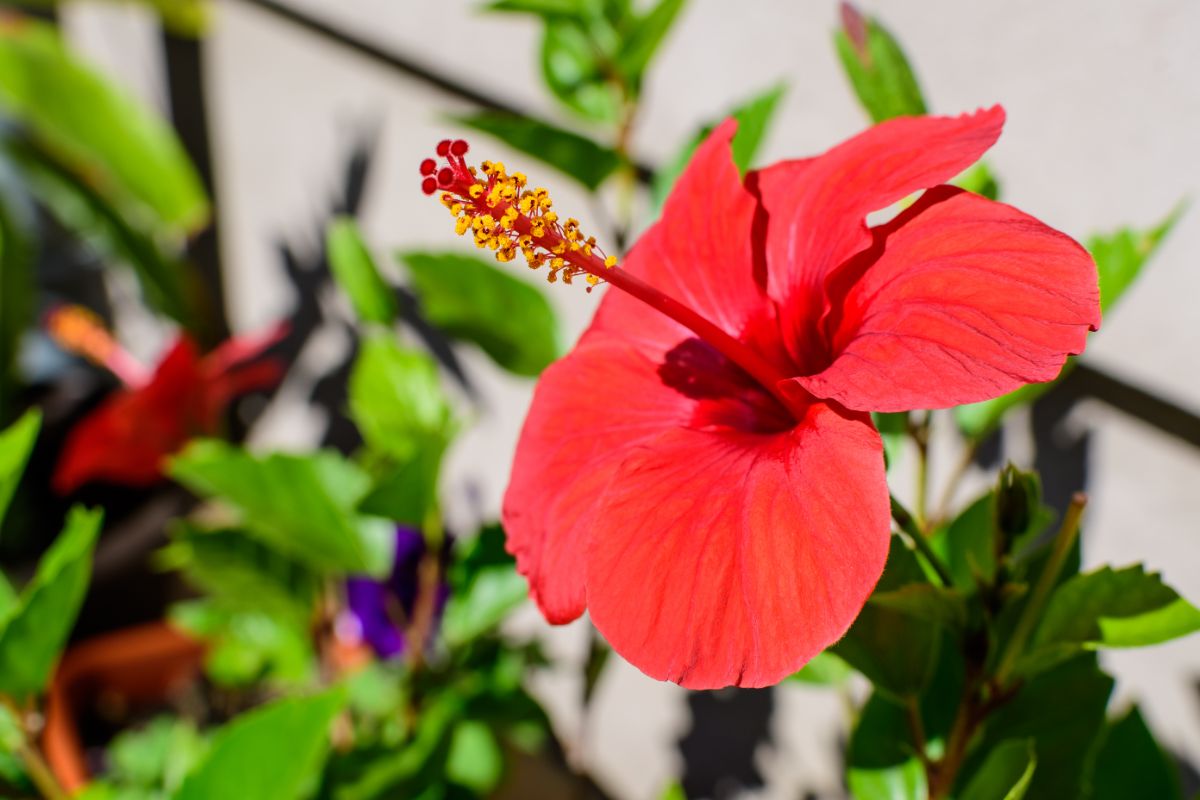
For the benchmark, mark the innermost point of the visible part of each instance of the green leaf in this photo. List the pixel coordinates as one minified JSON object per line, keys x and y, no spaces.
{"x":407,"y":489}
{"x":271,"y":753}
{"x":485,"y":587}
{"x":881,"y":764}
{"x":825,"y":669}
{"x":38,"y":629}
{"x":302,"y":505}
{"x":1005,"y":774}
{"x":981,"y":180}
{"x":944,"y":608}
{"x":894,"y":650}
{"x":1062,"y":710}
{"x":242,"y":572}
{"x":472,"y":300}
{"x":575,"y":156}
{"x":877,"y":68}
{"x":543,"y":8}
{"x":16,"y":443}
{"x":572,"y":69}
{"x":248,"y":647}
{"x":106,"y":229}
{"x":753,"y":119}
{"x":156,"y":756}
{"x":1120,"y":257}
{"x":357,"y":274}
{"x":1108,"y":608}
{"x":475,"y":759}
{"x":1129,"y":763}
{"x":396,"y":399}
{"x":641,"y":43}
{"x":132,"y":156}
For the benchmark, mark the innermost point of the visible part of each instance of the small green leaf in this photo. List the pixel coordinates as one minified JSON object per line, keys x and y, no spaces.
{"x":573,"y":71}
{"x":981,"y":180}
{"x":1005,"y":774}
{"x":156,"y":756}
{"x":357,"y":274}
{"x":16,"y":443}
{"x":247,"y":647}
{"x":641,"y":43}
{"x":475,"y":760}
{"x":241,"y":571}
{"x":396,"y":399}
{"x":131,"y":155}
{"x":674,"y":791}
{"x":543,"y":8}
{"x":1130,"y":763}
{"x":271,"y":753}
{"x":877,"y":68}
{"x":38,"y":629}
{"x":571,"y":154}
{"x":302,"y":505}
{"x":485,"y":586}
{"x":753,"y":118}
{"x":1109,"y":608}
{"x":472,"y":300}
{"x":825,"y":669}
{"x":1121,"y":255}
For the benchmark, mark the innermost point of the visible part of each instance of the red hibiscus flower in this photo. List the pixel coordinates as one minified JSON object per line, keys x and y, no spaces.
{"x":129,"y":437}
{"x":706,"y":481}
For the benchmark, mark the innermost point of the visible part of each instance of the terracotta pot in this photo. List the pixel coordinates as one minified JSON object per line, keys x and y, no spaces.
{"x":141,"y":666}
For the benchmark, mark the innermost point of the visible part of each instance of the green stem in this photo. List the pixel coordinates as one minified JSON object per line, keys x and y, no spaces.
{"x":909,"y":526}
{"x":36,"y":768}
{"x":1031,"y":614}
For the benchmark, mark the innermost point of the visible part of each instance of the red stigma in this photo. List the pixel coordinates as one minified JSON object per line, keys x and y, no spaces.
{"x":428,"y":166}
{"x":445,"y":177}
{"x":429,"y":185}
{"x":459,"y":148}
{"x":443,"y":148}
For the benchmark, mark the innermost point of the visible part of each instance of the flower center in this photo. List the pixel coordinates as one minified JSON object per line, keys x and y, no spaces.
{"x":506,"y":217}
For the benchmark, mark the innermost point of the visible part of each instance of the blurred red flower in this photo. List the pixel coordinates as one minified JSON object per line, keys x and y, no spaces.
{"x":129,"y":437}
{"x":719,"y":505}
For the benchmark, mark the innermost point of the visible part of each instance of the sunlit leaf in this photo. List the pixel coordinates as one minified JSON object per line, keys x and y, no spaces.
{"x":485,"y":586}
{"x":302,"y":505}
{"x":1005,"y":773}
{"x":475,"y":301}
{"x":825,"y":669}
{"x":356,"y":272}
{"x":475,"y":759}
{"x":641,"y":43}
{"x":396,"y":399}
{"x":16,"y":443}
{"x":877,"y":67}
{"x":127,"y":152}
{"x":36,"y":632}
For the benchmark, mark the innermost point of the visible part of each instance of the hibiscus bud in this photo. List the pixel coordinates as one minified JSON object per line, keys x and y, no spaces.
{"x":1017,"y":498}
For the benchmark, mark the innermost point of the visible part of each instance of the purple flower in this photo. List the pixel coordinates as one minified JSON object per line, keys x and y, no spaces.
{"x":381,"y":612}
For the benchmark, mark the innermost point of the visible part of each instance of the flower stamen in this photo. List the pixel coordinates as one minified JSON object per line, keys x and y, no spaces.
{"x":77,"y":330}
{"x":504,"y":215}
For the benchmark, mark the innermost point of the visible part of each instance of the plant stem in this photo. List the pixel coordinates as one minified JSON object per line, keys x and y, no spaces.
{"x":428,"y":575}
{"x":920,"y":435}
{"x":956,"y":477}
{"x":909,"y":526}
{"x":38,"y":770}
{"x":1063,"y":541}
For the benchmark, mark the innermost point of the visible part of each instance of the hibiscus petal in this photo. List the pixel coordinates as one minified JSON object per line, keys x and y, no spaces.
{"x":699,"y":253}
{"x":723,"y":558}
{"x":960,"y":299}
{"x":589,"y":408}
{"x":816,"y":208}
